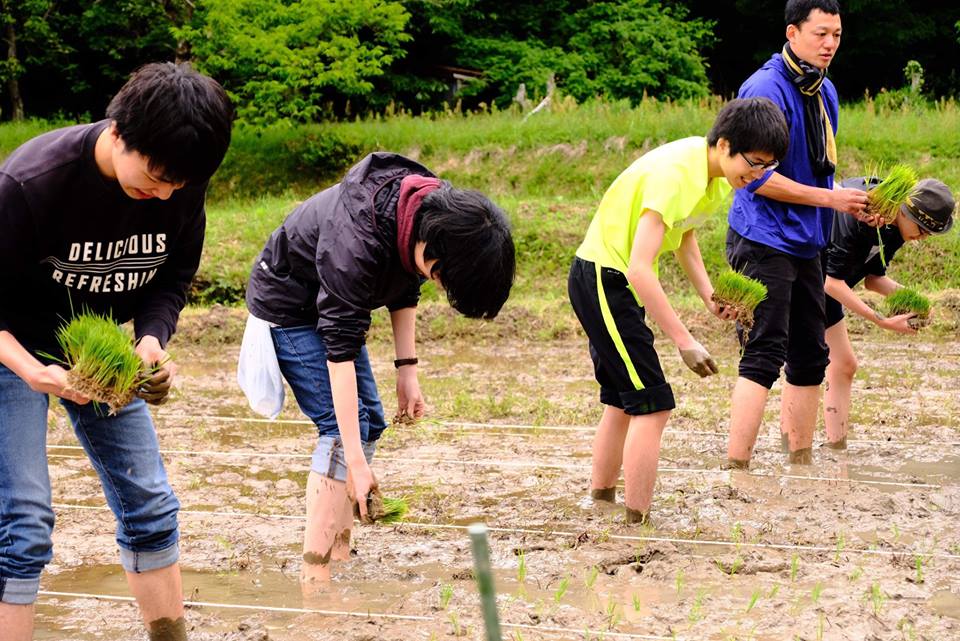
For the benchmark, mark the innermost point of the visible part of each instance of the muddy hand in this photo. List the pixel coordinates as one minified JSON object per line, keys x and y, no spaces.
{"x":360,"y":482}
{"x":699,"y":360}
{"x":154,"y":390}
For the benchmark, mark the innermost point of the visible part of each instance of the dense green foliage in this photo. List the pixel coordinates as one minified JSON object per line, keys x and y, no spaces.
{"x":311,"y":60}
{"x":296,"y":61}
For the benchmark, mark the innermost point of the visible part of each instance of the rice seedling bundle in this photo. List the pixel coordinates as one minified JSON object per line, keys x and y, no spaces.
{"x":382,"y":509}
{"x":101,"y":361}
{"x":909,"y":301}
{"x":742,"y":293}
{"x":893,"y":191}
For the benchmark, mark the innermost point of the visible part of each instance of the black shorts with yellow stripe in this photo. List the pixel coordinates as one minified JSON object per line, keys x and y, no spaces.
{"x":621,"y":344}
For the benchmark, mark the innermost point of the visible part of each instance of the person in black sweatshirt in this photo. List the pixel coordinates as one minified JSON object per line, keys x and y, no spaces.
{"x":369,"y":241}
{"x":106,"y":217}
{"x":854,"y":255}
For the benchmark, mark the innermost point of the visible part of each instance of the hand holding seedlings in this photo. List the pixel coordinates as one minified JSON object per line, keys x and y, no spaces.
{"x":899,"y":323}
{"x":52,"y":379}
{"x":723,"y":312}
{"x":849,"y":201}
{"x":697,"y":358}
{"x":409,"y":397}
{"x":159,"y":371}
{"x":361,"y":483}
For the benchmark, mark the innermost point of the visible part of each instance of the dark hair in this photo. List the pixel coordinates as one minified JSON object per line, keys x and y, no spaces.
{"x":470,"y":238}
{"x":177,"y":118}
{"x":798,"y":11}
{"x":751,"y":124}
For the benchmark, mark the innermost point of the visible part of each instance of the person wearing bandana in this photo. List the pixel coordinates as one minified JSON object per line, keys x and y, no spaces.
{"x":367,"y":242}
{"x":778,"y":226}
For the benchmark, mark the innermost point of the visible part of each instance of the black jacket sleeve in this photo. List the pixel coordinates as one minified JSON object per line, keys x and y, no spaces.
{"x":850,"y":245}
{"x":162,"y":301}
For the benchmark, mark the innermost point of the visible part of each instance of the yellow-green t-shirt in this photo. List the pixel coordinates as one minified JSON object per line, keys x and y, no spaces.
{"x":671,"y":180}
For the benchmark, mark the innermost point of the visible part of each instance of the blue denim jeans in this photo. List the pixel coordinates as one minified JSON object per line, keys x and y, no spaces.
{"x":125,"y":454}
{"x":303,"y":363}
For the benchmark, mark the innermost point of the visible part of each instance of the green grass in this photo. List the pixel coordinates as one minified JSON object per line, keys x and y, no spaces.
{"x":547,"y":172}
{"x":908,"y":301}
{"x":101,"y":358}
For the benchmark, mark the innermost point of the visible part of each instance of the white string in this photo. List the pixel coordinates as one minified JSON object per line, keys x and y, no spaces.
{"x":364,"y":615}
{"x":524,"y":465}
{"x":563,"y":533}
{"x":535,"y":428}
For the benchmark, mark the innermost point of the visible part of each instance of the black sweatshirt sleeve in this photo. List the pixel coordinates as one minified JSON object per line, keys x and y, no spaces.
{"x":18,"y":240}
{"x":850,"y":245}
{"x":159,"y":308}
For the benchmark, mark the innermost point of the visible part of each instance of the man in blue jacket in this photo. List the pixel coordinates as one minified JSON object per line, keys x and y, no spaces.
{"x":779,"y":224}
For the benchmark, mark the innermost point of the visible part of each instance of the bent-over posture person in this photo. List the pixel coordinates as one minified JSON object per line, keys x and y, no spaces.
{"x":107,"y":217}
{"x":852,"y":256}
{"x":367,"y":242}
{"x":653,"y":208}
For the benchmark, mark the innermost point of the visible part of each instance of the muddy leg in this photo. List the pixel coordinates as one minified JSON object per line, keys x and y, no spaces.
{"x":798,"y":416}
{"x":325,"y":500}
{"x":608,"y":453}
{"x":167,"y":630}
{"x":836,"y":397}
{"x":159,"y":594}
{"x":640,"y":455}
{"x":746,"y":414}
{"x":341,"y":541}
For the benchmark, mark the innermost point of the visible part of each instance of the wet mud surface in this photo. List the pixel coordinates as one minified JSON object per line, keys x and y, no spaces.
{"x":864,"y":543}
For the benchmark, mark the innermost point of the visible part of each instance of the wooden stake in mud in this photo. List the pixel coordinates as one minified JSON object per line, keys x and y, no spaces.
{"x":488,"y":593}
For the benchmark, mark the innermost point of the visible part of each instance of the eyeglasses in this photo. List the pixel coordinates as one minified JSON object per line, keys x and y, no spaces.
{"x":773,"y":164}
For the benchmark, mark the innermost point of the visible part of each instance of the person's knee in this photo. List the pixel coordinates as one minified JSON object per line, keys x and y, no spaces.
{"x":806,"y":376}
{"x":843,"y":366}
{"x":763,"y":372}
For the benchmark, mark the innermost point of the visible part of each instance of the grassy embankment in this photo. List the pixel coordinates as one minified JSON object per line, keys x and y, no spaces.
{"x":548,"y":172}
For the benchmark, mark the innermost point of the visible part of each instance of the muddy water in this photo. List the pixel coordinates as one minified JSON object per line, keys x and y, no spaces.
{"x":578,"y":573}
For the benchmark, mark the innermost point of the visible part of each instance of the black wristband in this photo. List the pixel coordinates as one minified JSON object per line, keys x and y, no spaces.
{"x":400,"y":362}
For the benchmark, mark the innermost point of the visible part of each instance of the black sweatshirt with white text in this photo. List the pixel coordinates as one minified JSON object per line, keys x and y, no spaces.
{"x":71,"y":240}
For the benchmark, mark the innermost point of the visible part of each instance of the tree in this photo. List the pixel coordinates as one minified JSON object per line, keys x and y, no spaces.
{"x":616,"y":49}
{"x":296,"y":61}
{"x":31,"y":37}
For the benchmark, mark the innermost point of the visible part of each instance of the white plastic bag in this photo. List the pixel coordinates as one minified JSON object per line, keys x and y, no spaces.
{"x":258,"y":372}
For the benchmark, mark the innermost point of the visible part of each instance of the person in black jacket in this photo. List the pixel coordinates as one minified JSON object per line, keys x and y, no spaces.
{"x":369,"y":241}
{"x":854,"y":255}
{"x":106,"y":217}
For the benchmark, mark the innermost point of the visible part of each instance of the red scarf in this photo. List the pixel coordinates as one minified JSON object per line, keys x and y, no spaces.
{"x":413,"y":189}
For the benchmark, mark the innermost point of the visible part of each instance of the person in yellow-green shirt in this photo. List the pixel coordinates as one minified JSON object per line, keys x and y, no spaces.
{"x":650,"y":209}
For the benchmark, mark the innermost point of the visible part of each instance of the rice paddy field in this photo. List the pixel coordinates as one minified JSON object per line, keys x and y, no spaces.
{"x":863,"y":544}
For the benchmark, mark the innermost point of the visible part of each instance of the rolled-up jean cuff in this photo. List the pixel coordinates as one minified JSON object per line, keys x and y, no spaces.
{"x":19,"y":591}
{"x":144,"y":561}
{"x":329,"y":459}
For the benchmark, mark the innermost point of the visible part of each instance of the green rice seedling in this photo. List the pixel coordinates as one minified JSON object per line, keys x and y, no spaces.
{"x":679,"y":581}
{"x":382,"y":509}
{"x":637,"y":603}
{"x":592,"y":575}
{"x":857,"y":573}
{"x":794,"y":566}
{"x":820,"y":621}
{"x":521,"y":567}
{"x":876,"y":598}
{"x":841,"y":543}
{"x":393,"y":510}
{"x":561,"y":589}
{"x":446,"y":593}
{"x":816,"y":592}
{"x":613,"y":614}
{"x":101,"y":360}
{"x":754,"y":598}
{"x":774,"y":591}
{"x":742,"y":293}
{"x":886,"y":198}
{"x":909,"y":301}
{"x":918,"y":564}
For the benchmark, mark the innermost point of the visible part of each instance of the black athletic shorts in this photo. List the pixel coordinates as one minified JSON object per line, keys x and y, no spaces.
{"x":621,"y":344}
{"x":789,"y":325}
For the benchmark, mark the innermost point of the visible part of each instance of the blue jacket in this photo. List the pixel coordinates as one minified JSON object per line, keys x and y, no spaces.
{"x":798,"y":230}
